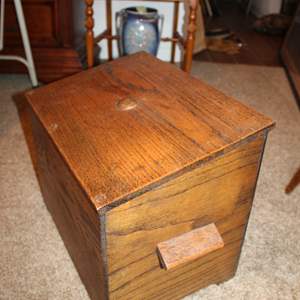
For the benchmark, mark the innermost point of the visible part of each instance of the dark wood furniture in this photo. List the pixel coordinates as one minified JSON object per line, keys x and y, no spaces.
{"x":134,"y":157}
{"x":290,"y":54}
{"x":258,"y":49}
{"x":57,"y":35}
{"x":187,"y":43}
{"x":291,"y":59}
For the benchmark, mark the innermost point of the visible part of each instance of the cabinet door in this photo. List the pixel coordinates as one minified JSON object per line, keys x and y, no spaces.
{"x":47,"y":23}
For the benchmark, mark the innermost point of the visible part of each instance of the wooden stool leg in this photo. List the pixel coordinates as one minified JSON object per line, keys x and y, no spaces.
{"x":293,"y":183}
{"x":89,"y":25}
{"x":109,"y":29}
{"x":28,"y":62}
{"x":175,"y":25}
{"x":190,"y":39}
{"x":26,"y":42}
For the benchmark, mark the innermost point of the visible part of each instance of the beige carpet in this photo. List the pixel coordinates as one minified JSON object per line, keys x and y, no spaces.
{"x":35,"y":265}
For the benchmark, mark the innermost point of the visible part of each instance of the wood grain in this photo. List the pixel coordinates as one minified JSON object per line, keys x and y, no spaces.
{"x":189,"y":246}
{"x":116,"y":155}
{"x":220,"y":192}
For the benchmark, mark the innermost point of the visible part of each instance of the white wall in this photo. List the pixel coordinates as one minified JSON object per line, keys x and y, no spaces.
{"x":266,"y":7}
{"x":163,"y":8}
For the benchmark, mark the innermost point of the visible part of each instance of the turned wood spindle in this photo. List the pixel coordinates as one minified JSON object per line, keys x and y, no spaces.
{"x":175,"y":25}
{"x":109,"y":29}
{"x":190,"y":39}
{"x":89,"y":25}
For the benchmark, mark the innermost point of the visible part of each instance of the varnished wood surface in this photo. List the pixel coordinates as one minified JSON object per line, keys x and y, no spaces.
{"x":115,"y":154}
{"x":174,"y":30}
{"x":89,"y":36}
{"x":219,"y":192}
{"x":189,"y":246}
{"x":135,"y":153}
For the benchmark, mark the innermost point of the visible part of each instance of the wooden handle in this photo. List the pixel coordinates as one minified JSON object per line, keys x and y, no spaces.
{"x":126,"y":104}
{"x":189,"y":246}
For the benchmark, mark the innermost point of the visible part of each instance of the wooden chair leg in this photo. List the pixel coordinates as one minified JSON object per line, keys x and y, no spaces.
{"x":293,"y":183}
{"x":175,"y":25}
{"x":190,"y":39}
{"x":89,"y":25}
{"x":109,"y":28}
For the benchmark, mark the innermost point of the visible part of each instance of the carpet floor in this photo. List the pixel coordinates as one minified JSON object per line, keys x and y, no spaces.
{"x":34,"y":263}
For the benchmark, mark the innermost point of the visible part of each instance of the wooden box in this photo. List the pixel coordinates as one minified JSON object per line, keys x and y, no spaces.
{"x":149,"y":175}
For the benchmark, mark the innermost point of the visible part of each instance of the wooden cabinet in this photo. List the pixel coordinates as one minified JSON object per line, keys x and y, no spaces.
{"x":57,"y":35}
{"x":135,"y":157}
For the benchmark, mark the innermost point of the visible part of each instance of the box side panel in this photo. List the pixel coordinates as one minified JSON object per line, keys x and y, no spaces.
{"x":76,"y":219}
{"x":219,"y":192}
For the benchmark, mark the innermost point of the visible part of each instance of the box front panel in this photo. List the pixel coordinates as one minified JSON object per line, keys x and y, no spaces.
{"x":219,"y":191}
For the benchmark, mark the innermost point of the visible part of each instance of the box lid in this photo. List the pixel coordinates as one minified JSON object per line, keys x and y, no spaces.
{"x":126,"y":125}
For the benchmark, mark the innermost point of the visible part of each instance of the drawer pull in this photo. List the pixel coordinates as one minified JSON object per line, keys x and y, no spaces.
{"x":189,"y":246}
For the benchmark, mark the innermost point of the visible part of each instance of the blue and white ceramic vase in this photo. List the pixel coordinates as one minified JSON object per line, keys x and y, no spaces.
{"x":139,"y":30}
